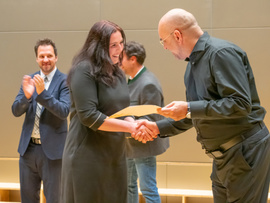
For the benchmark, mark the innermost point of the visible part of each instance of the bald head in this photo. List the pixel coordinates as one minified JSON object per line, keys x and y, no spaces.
{"x":178,"y":19}
{"x":179,"y":32}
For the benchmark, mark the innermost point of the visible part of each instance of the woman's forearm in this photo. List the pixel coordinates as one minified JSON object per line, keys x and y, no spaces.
{"x":116,"y":125}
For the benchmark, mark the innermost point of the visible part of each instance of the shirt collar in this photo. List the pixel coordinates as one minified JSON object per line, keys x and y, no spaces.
{"x":199,"y":47}
{"x":141,"y":71}
{"x":136,"y":73}
{"x":50,"y":75}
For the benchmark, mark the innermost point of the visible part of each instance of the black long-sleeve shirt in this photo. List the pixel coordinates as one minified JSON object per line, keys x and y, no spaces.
{"x":222,"y":93}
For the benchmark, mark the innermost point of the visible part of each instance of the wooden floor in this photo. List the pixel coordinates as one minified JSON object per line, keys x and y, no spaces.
{"x":178,"y":182}
{"x":9,"y":192}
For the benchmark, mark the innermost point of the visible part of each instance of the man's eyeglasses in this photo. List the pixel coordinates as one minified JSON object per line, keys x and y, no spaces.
{"x":162,"y":40}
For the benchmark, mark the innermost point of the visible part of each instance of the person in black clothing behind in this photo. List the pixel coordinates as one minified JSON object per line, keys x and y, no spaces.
{"x":224,"y":107}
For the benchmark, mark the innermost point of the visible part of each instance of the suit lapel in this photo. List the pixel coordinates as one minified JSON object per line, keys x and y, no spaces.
{"x":54,"y":82}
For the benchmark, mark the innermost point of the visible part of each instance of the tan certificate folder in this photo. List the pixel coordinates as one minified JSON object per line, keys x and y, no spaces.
{"x":139,"y":110}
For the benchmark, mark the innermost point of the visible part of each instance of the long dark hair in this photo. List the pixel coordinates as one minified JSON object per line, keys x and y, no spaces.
{"x":96,"y":51}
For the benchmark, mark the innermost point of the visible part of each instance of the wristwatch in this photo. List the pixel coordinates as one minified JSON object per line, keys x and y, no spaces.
{"x":188,"y":115}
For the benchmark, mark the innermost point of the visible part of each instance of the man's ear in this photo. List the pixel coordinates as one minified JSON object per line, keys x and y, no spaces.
{"x":133,"y":58}
{"x":177,"y":35}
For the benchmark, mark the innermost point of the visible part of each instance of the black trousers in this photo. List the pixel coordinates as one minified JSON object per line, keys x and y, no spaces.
{"x":242,"y":174}
{"x":34,"y":168}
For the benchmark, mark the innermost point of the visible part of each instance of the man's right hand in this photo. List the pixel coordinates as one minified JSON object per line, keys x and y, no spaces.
{"x":28,"y":86}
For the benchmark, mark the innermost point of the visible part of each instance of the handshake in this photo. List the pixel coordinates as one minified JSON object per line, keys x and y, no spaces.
{"x":145,"y":130}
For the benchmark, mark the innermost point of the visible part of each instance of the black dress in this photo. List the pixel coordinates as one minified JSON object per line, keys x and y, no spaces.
{"x":94,"y":162}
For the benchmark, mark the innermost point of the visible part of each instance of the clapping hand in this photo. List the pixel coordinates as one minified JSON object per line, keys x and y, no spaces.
{"x":28,"y":86}
{"x":39,"y":83}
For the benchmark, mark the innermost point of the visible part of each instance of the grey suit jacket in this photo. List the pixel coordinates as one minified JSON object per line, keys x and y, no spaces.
{"x":145,"y":88}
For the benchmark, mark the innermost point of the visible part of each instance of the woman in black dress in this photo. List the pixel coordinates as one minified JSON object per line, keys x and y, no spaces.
{"x":94,"y":162}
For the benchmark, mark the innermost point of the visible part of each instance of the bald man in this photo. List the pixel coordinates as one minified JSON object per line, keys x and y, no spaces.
{"x":224,"y":107}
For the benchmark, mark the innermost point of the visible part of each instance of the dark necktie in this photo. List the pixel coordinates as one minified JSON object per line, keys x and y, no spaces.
{"x":46,"y":79}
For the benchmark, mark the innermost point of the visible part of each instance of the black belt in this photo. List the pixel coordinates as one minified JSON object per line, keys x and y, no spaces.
{"x":35,"y":140}
{"x":224,"y":147}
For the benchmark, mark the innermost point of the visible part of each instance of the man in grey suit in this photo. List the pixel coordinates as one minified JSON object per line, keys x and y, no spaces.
{"x":44,"y":99}
{"x":144,"y":88}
